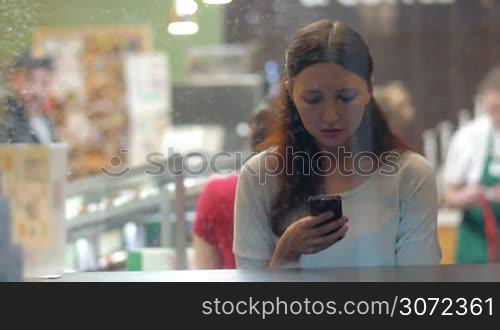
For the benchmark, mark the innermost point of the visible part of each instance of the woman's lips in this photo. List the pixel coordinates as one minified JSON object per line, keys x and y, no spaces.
{"x":332,"y":132}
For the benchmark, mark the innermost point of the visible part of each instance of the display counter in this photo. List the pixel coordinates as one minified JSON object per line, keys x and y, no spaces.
{"x":439,"y":273}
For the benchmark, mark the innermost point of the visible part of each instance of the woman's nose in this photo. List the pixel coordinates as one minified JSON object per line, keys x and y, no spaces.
{"x":330,"y":113}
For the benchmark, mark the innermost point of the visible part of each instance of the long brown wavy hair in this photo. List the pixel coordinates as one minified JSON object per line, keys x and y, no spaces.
{"x":320,"y":42}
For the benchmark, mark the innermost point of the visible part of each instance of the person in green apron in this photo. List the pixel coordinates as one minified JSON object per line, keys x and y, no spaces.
{"x":472,"y":242}
{"x":472,"y":174}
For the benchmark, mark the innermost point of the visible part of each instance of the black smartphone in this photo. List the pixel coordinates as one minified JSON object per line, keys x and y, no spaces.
{"x":324,"y":203}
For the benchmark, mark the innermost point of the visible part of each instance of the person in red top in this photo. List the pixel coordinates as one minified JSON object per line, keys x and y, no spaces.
{"x":213,"y":224}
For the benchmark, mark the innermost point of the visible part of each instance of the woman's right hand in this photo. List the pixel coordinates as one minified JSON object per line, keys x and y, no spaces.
{"x":304,"y":236}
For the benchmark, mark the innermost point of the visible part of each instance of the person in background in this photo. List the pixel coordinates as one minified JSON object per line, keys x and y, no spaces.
{"x":25,"y":118}
{"x":327,"y":108}
{"x":213,"y":225}
{"x":472,"y":175}
{"x":395,"y":100}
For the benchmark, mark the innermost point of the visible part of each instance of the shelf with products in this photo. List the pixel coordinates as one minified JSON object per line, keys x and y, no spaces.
{"x":108,"y":216}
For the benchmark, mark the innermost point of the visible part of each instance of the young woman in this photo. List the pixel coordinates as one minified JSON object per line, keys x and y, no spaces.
{"x":388,"y":191}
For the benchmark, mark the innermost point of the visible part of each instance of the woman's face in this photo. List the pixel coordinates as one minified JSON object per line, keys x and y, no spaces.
{"x":331,"y":102}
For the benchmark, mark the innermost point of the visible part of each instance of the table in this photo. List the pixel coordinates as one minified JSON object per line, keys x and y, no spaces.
{"x":438,"y":273}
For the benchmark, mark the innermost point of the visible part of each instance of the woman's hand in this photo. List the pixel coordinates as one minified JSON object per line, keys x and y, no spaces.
{"x":305,"y":237}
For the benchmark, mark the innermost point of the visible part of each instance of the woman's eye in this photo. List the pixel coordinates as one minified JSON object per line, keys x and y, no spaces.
{"x":312,"y":99}
{"x":347,"y":99}
{"x":347,"y":96}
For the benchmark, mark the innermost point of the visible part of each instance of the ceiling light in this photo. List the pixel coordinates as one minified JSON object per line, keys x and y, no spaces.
{"x":183,"y":28}
{"x":217,"y":2}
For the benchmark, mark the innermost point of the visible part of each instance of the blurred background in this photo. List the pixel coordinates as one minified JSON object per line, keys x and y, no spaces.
{"x":130,"y":78}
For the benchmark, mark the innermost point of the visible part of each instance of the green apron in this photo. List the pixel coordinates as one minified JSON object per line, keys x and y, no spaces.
{"x":472,"y":245}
